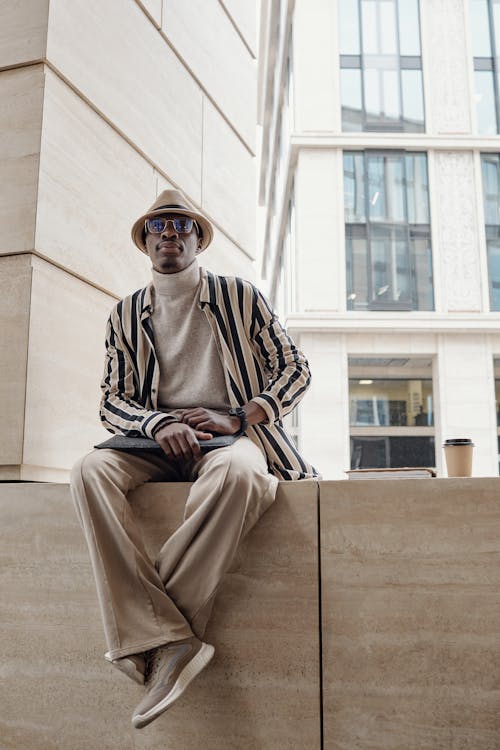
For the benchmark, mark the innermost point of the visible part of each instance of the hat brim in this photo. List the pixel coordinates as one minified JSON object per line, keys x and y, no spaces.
{"x":205,"y":226}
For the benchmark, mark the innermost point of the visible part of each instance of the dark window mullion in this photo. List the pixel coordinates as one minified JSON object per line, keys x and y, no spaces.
{"x":484,"y":63}
{"x":369,"y":286}
{"x":410,"y":257}
{"x":410,"y":62}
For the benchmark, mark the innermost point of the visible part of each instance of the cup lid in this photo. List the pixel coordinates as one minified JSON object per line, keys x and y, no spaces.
{"x":458,"y":441}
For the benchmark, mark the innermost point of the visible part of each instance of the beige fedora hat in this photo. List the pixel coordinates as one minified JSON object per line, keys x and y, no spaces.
{"x":172,"y":201}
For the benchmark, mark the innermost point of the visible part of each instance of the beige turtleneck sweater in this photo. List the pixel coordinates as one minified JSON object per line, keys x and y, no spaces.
{"x":191,"y":371}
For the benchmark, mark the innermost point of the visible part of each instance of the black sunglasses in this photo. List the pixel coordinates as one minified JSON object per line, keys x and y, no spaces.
{"x":158,"y":224}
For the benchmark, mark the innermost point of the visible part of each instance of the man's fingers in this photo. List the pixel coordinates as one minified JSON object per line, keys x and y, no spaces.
{"x":188,"y":416}
{"x":205,"y":424}
{"x":203,"y":435}
{"x":182,"y":443}
{"x":174,"y":447}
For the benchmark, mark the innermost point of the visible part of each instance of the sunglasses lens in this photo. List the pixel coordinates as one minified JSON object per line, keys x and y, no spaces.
{"x":183,"y":225}
{"x":155,"y":225}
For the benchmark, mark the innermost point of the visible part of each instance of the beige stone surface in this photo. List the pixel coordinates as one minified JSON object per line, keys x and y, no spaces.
{"x":21,"y":96}
{"x":23,"y":31}
{"x":222,"y":256}
{"x":145,"y":92}
{"x":92,"y":187}
{"x":244,"y":16}
{"x":153,"y":7}
{"x":228,"y":179}
{"x":15,"y":282}
{"x":65,"y":364}
{"x":57,"y":691}
{"x":204,"y":36}
{"x":410,"y":576}
{"x":261,"y":691}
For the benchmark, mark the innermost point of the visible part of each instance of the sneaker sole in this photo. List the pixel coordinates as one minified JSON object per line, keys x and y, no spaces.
{"x":190,"y":671}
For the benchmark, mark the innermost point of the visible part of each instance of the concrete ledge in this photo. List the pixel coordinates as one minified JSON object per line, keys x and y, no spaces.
{"x":410,"y":602}
{"x":410,"y":574}
{"x":262,"y":690}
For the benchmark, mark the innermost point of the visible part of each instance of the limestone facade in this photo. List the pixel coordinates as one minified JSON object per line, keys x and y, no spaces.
{"x":100,"y":111}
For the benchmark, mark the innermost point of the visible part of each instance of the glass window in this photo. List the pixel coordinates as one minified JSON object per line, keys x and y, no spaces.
{"x":352,"y":105}
{"x":421,"y":256}
{"x":369,"y":27}
{"x":480,"y":28}
{"x":392,"y":452}
{"x":495,"y":18}
{"x":409,"y":27}
{"x":417,"y":189}
{"x":413,"y":99}
{"x":380,"y":40}
{"x":391,"y":414}
{"x":484,"y":94}
{"x":497,"y":390}
{"x":349,"y":27}
{"x":388,"y":247}
{"x":485,"y":31}
{"x":354,"y":187}
{"x":394,"y":402}
{"x":491,"y":198}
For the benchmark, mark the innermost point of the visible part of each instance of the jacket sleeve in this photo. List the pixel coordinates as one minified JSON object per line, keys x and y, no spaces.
{"x":285,"y":364}
{"x":119,"y":411}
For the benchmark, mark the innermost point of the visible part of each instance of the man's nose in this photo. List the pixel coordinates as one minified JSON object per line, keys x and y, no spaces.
{"x":169,"y":230}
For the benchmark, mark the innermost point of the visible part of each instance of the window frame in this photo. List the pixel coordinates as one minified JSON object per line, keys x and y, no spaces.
{"x":405,"y":62}
{"x":481,"y":64}
{"x":366,"y":231}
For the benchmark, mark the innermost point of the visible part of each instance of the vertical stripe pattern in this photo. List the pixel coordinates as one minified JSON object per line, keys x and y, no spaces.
{"x":260,"y":360}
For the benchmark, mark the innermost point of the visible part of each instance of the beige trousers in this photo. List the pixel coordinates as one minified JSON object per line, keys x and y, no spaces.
{"x":145,"y":603}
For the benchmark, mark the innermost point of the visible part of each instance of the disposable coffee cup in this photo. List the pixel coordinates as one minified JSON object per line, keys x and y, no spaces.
{"x":458,"y":454}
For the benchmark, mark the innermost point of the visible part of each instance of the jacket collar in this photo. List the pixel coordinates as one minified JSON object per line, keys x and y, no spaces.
{"x":207,"y":293}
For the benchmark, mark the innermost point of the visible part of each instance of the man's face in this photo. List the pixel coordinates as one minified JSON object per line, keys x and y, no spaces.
{"x":171,"y":251}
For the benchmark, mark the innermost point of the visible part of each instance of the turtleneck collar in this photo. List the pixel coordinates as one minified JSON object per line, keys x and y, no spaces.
{"x":172,"y":284}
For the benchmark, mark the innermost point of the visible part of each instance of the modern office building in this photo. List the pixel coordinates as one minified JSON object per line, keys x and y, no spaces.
{"x":380,"y":189}
{"x":103,"y":105}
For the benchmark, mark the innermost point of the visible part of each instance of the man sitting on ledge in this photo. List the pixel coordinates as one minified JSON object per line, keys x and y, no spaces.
{"x":189,"y":356}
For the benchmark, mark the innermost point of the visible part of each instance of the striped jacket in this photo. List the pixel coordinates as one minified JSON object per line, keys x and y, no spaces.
{"x":260,"y":363}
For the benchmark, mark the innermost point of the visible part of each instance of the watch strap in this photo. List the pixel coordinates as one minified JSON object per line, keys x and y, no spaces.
{"x":239,"y":412}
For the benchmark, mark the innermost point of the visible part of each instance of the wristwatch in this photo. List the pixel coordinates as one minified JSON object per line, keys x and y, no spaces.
{"x":239,"y":412}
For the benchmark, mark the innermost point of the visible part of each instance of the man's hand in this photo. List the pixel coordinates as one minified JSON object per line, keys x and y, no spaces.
{"x":206,"y":419}
{"x":180,"y":441}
